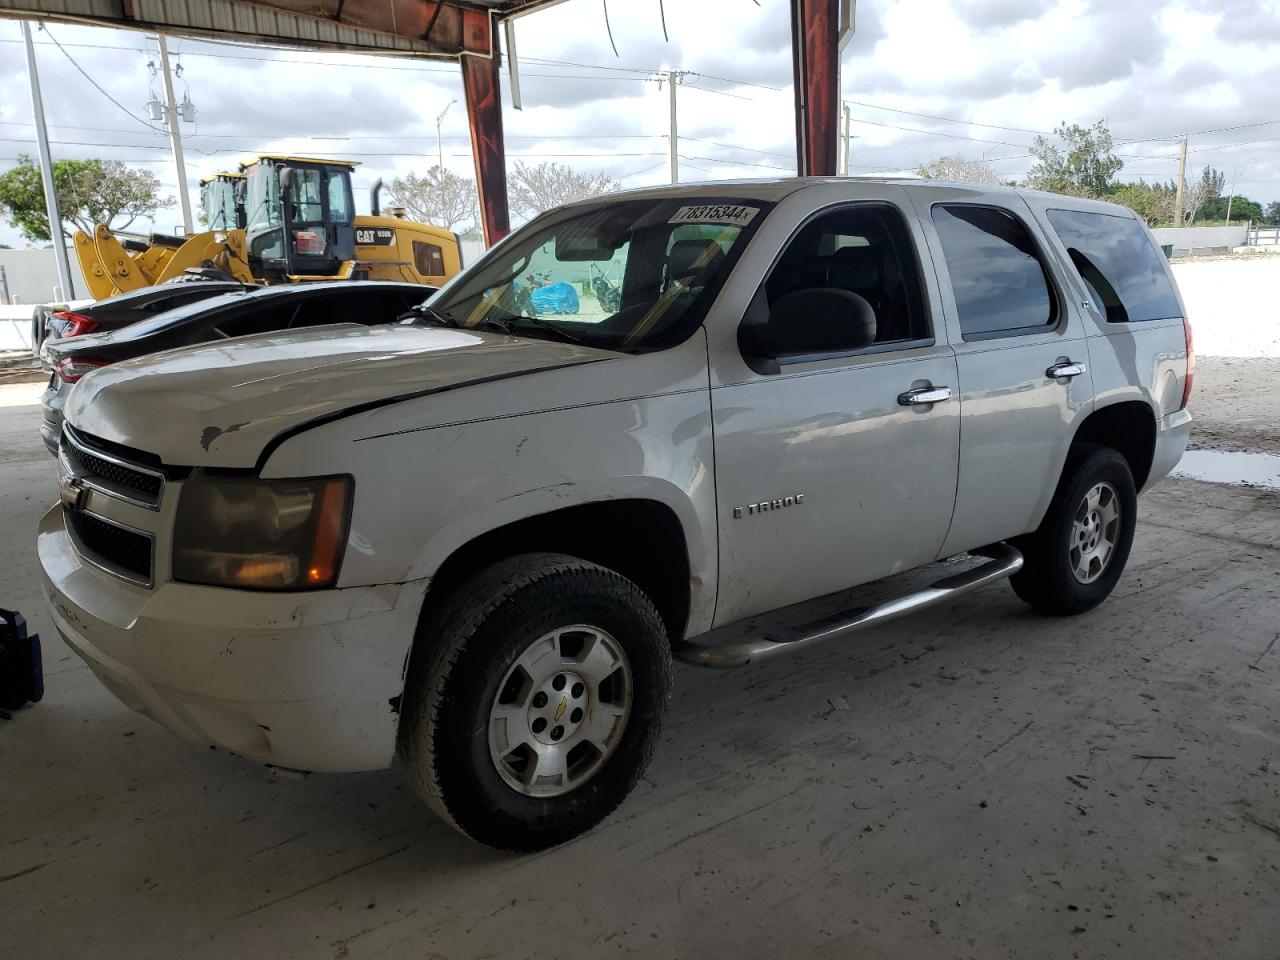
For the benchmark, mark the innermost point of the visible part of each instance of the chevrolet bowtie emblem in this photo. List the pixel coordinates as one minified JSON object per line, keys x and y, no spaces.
{"x":560,"y":709}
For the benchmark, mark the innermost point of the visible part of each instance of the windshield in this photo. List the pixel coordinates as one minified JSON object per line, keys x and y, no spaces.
{"x":262,"y":205}
{"x":632,"y":275}
{"x":219,"y":201}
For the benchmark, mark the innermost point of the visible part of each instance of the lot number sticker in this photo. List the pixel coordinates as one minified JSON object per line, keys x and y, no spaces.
{"x":729,"y":214}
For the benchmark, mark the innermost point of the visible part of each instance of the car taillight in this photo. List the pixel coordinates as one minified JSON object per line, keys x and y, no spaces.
{"x":71,"y":369}
{"x":79,"y":323}
{"x":308,"y":242}
{"x":1191,"y":363}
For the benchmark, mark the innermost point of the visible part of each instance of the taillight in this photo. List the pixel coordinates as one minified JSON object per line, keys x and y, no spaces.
{"x":79,"y":323}
{"x":1191,"y":363}
{"x":71,"y":369}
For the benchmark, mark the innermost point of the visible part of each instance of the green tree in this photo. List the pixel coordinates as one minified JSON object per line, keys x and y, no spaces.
{"x":1204,"y":199}
{"x":89,"y":192}
{"x":1152,"y":202}
{"x":1082,"y":164}
{"x":1242,"y":208}
{"x":1272,"y":214}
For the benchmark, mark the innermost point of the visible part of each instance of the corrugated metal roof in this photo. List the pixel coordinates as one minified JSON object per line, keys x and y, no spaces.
{"x":369,"y":26}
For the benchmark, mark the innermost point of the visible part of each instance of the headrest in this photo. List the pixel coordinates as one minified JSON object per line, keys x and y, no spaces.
{"x":693,"y":258}
{"x":860,"y":269}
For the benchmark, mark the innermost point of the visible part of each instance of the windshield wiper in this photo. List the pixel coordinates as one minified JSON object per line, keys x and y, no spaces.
{"x":511,"y":324}
{"x":427,"y":314}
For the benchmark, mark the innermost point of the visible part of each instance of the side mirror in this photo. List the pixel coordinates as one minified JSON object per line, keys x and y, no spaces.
{"x":287,"y":176}
{"x":818,"y":320}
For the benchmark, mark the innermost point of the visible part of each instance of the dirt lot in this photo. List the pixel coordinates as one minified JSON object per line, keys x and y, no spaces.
{"x":1236,"y":403}
{"x":973,"y":782}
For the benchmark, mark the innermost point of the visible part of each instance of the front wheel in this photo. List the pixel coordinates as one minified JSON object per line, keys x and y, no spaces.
{"x":1072,"y":563}
{"x":536,"y":703}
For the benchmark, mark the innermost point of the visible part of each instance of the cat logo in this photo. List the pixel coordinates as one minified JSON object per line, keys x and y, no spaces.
{"x":375,"y":236}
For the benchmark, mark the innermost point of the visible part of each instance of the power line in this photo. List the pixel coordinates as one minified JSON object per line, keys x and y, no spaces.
{"x":930,"y":116}
{"x":939,"y":133}
{"x":96,"y":86}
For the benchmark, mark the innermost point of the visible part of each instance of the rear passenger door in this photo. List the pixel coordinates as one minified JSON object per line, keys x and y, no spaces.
{"x":1021,"y":356}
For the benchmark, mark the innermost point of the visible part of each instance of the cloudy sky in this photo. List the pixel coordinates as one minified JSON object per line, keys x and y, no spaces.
{"x":923,"y":78}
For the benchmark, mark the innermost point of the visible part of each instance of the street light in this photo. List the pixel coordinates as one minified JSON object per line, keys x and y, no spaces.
{"x":439,"y":141}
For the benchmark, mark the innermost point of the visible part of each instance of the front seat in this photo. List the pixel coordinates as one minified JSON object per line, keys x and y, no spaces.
{"x":693,"y":261}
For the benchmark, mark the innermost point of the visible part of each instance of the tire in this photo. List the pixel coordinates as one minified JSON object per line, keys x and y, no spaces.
{"x":1064,"y":569}
{"x":469,"y":732}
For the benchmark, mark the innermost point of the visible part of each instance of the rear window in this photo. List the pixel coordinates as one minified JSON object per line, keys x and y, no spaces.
{"x":1124,"y":272}
{"x":1000,"y":285}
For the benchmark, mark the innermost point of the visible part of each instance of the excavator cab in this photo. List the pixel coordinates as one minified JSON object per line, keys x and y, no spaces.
{"x":222,"y":201}
{"x":300,"y":218}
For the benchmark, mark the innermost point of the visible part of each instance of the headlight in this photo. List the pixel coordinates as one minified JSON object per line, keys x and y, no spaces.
{"x":261,"y":534}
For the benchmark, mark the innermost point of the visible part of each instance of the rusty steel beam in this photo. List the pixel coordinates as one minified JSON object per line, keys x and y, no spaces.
{"x":433,"y":29}
{"x":484,"y":114}
{"x":815,"y":58}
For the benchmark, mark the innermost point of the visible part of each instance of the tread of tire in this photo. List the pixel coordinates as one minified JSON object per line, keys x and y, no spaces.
{"x":451,"y":630}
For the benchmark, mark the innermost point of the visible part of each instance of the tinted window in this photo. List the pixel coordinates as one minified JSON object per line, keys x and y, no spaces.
{"x":1119,"y":263}
{"x":428,"y":258}
{"x":864,"y":249}
{"x":999,"y":282}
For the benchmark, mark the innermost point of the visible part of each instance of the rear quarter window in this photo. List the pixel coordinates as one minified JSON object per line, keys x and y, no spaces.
{"x":1120,"y":265}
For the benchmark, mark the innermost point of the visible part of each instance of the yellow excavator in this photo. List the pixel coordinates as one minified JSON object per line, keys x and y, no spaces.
{"x":279,"y":219}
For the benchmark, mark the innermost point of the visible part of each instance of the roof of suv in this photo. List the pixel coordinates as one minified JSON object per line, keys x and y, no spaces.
{"x":774,"y":189}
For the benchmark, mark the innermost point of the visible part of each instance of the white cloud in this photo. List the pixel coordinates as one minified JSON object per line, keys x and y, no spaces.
{"x":1151,"y":68}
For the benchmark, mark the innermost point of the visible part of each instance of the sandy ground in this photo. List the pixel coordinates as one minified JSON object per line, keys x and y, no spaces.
{"x":973,"y":782}
{"x":1233,"y":304}
{"x":1236,"y":403}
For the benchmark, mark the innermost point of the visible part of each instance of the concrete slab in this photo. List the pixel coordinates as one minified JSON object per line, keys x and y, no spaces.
{"x":975,"y":782}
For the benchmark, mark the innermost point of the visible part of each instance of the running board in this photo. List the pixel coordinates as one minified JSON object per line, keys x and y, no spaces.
{"x":1003,"y":561}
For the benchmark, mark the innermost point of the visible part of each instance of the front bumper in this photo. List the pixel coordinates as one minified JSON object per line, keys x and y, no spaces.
{"x":299,"y":680}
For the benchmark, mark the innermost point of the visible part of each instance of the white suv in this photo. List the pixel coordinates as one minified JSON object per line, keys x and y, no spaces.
{"x":474,"y":540}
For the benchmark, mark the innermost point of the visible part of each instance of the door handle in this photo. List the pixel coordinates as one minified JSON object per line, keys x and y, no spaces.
{"x":924,"y":395}
{"x":1068,"y":370}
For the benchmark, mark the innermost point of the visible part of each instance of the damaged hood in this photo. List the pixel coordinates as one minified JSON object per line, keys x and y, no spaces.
{"x":220,"y":404}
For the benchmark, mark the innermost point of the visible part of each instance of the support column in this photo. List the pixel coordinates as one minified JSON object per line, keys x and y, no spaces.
{"x":815,"y":25}
{"x":484,"y":115}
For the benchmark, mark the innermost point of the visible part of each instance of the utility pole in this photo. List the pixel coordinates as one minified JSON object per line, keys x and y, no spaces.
{"x":439,"y":139}
{"x":844,"y":157}
{"x":673,"y":77}
{"x":1182,"y":179}
{"x":175,"y":136}
{"x":46,"y":170}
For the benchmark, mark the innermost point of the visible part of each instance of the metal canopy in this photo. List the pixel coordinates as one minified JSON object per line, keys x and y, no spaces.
{"x":465,"y":31}
{"x":444,"y":30}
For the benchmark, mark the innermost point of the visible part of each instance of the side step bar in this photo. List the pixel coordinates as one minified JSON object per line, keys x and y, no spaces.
{"x":1004,"y":561}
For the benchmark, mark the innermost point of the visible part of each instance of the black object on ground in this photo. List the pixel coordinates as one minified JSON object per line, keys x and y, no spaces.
{"x":21,"y":675}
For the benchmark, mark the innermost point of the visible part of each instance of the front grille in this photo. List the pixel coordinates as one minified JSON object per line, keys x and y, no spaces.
{"x":113,"y":475}
{"x":123,"y":552}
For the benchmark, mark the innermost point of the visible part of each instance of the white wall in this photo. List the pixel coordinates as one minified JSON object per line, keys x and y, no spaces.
{"x":32,"y":276}
{"x":1186,"y":239}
